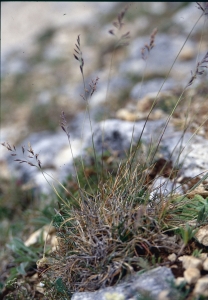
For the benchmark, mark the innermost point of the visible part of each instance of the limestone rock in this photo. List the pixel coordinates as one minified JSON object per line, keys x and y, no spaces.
{"x":205,"y":264}
{"x":165,"y":186}
{"x":191,"y":275}
{"x":124,"y":114}
{"x":146,"y":102}
{"x":186,"y":16}
{"x":201,"y":287}
{"x":114,"y":296}
{"x":179,"y":281}
{"x":164,"y":295}
{"x":187,"y":53}
{"x":191,"y":262}
{"x":172,"y":257}
{"x":203,"y":256}
{"x":149,"y":284}
{"x":199,"y":190}
{"x":202,"y":235}
{"x":48,"y":233}
{"x":193,"y":158}
{"x":151,"y":88}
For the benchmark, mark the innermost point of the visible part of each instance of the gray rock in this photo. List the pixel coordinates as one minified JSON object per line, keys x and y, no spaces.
{"x":155,"y":8}
{"x":160,"y":58}
{"x":117,"y":84}
{"x":202,"y":235}
{"x":47,"y":145}
{"x":118,"y":135}
{"x":187,"y":17}
{"x":150,"y":283}
{"x":13,"y":63}
{"x":165,"y":186}
{"x":189,"y":154}
{"x":140,"y":89}
{"x":44,"y":97}
{"x":187,"y":151}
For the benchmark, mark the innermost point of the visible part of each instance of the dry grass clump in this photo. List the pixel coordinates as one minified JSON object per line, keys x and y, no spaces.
{"x":102,"y":238}
{"x":116,"y":231}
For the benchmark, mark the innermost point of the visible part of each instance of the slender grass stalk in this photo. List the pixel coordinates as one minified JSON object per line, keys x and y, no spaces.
{"x":156,"y":98}
{"x":85,"y":97}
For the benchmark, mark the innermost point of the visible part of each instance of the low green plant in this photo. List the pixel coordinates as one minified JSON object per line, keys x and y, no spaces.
{"x":17,"y":290}
{"x":182,"y":290}
{"x":197,"y":252}
{"x":187,"y":233}
{"x":25,"y":257}
{"x":194,"y":209}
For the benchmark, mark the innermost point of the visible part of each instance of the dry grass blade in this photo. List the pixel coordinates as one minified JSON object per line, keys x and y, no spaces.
{"x":203,"y":7}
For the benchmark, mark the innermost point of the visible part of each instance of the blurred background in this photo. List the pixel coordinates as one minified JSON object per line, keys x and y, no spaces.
{"x":40,"y":77}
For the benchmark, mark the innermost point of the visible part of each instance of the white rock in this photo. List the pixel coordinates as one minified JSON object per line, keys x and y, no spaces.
{"x":124,"y":114}
{"x":201,"y":287}
{"x":40,"y":288}
{"x":54,"y":242}
{"x":156,"y":8}
{"x":191,"y":275}
{"x":157,"y":114}
{"x":146,"y":102}
{"x":172,"y":257}
{"x":151,"y":282}
{"x":47,"y":232}
{"x":187,"y":53}
{"x":187,"y":16}
{"x":202,"y":235}
{"x":164,"y":295}
{"x":199,"y":190}
{"x":34,"y":237}
{"x":205,"y":264}
{"x":203,"y":256}
{"x":179,"y":281}
{"x":191,"y":262}
{"x":114,"y":296}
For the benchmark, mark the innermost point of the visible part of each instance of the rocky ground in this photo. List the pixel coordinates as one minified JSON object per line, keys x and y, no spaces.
{"x":40,"y":78}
